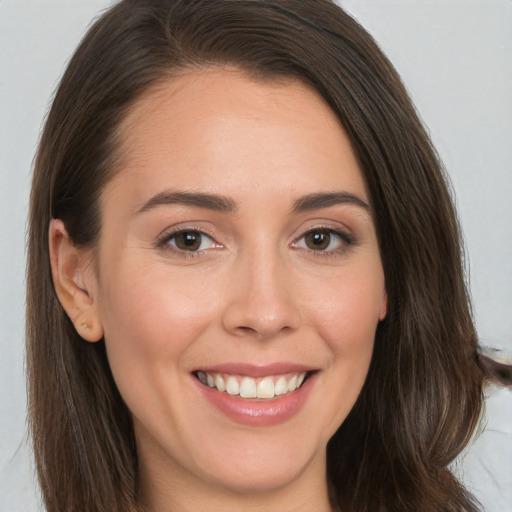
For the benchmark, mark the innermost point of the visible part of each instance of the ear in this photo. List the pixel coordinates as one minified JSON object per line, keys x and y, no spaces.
{"x":75,"y":282}
{"x":383,"y":310}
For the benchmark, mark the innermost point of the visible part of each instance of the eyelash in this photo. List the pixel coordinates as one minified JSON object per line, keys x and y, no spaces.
{"x":345,"y":238}
{"x":163,"y":242}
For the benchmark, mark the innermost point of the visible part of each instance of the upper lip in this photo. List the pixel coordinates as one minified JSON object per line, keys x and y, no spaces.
{"x":257,"y":371}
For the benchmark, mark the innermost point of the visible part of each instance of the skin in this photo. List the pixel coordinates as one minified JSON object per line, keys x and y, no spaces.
{"x":256,"y":291}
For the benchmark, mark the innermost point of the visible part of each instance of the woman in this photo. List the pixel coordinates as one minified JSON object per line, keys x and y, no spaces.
{"x":235,"y":203}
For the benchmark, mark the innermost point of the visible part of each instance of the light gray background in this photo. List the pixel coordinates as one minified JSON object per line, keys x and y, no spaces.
{"x":455,"y":57}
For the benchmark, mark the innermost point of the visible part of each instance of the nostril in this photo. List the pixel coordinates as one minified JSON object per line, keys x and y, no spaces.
{"x":246,"y":328}
{"x":262,"y":333}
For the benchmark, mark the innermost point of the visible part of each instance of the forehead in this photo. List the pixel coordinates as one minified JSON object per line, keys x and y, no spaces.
{"x":207,"y":125}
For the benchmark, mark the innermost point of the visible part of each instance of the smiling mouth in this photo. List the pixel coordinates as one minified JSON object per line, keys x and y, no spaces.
{"x":250,"y":388}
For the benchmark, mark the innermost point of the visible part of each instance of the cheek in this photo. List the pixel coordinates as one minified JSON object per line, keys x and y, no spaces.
{"x":344,"y":312}
{"x":151,"y":318}
{"x":350,"y":309}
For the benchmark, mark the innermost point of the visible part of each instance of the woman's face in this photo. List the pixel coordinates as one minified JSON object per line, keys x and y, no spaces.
{"x":237,"y":256}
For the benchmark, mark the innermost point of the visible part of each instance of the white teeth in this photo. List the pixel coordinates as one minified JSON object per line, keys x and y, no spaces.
{"x":248,"y":388}
{"x":281,"y":387}
{"x":292,"y":384}
{"x":266,"y":388}
{"x":219,"y":382}
{"x":232,"y":387}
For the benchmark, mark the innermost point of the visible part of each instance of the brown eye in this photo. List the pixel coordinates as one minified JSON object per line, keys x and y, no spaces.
{"x":325,"y":240}
{"x":190,"y":241}
{"x":318,"y":240}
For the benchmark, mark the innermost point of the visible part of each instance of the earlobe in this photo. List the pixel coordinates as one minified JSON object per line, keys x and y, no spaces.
{"x":75,"y":282}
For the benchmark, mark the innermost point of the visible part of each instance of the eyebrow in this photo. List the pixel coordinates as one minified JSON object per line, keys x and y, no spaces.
{"x":198,"y":199}
{"x":327,"y":199}
{"x":227,"y":205}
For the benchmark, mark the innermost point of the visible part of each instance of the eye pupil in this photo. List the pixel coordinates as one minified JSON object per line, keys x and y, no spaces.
{"x":318,"y":240}
{"x":188,"y":240}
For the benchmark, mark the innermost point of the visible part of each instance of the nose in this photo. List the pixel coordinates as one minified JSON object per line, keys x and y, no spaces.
{"x":261,"y":299}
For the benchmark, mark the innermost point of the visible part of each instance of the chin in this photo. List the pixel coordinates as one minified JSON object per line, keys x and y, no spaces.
{"x":247,"y":478}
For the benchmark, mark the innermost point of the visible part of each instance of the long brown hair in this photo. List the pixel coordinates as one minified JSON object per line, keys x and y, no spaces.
{"x":423,"y":395}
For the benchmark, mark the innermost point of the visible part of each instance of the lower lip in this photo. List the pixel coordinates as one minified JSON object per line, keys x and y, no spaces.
{"x":256,"y":412}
